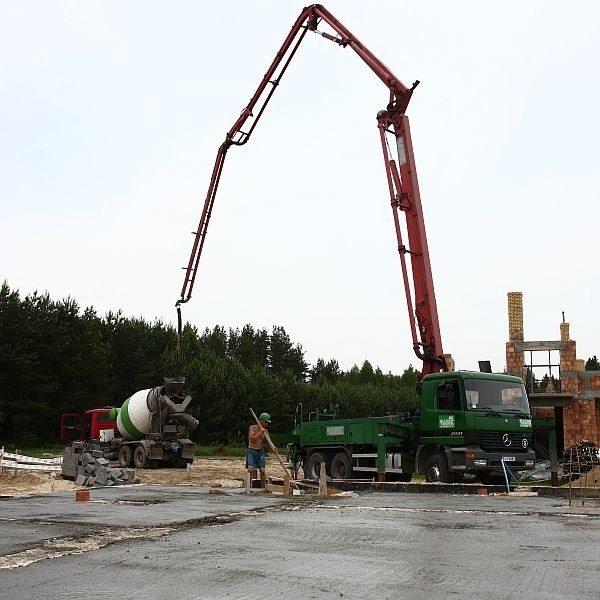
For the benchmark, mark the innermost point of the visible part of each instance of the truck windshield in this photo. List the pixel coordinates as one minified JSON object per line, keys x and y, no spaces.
{"x":500,"y":396}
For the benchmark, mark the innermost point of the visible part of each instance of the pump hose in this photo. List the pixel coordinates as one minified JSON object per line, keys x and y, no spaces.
{"x":179,"y":357}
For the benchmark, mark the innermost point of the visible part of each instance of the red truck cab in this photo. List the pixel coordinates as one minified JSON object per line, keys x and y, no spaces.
{"x":74,"y":427}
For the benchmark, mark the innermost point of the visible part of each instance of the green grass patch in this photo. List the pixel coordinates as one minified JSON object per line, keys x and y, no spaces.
{"x":220,"y":450}
{"x":35,"y":450}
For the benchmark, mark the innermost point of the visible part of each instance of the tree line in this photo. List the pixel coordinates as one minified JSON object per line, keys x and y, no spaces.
{"x":56,"y":357}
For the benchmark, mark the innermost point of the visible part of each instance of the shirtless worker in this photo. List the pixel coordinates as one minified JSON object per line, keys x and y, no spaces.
{"x":255,"y":454}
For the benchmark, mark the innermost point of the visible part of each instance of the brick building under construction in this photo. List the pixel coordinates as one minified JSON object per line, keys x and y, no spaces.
{"x":573,"y":408}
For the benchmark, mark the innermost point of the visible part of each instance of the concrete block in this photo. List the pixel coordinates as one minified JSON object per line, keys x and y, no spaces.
{"x":116,"y":472}
{"x":101,"y":478}
{"x":91,"y":480}
{"x":73,"y":461}
{"x":81,"y":480}
{"x":89,"y":468}
{"x":86,"y":458}
{"x":97,"y":454}
{"x":101,"y":461}
{"x":80,"y":470}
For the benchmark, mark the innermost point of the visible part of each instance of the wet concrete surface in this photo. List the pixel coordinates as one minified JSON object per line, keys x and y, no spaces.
{"x":184,"y":543}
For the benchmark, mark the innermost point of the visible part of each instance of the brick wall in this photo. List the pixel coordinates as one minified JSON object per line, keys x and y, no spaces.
{"x":580,"y":421}
{"x":543,"y":413}
{"x":581,"y":418}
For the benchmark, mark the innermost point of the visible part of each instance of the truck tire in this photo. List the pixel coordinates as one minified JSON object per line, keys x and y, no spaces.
{"x":312,"y":467}
{"x":437,"y":470}
{"x":341,"y":468}
{"x":140,"y":459}
{"x":125,"y":457}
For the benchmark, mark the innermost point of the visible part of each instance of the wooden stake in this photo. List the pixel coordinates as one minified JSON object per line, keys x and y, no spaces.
{"x":322,"y":480}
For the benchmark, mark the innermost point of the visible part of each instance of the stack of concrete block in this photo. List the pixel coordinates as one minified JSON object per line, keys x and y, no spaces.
{"x":93,"y":470}
{"x":515,"y":317}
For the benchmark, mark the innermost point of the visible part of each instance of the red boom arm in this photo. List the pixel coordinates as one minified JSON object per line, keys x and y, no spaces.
{"x":401,"y":178}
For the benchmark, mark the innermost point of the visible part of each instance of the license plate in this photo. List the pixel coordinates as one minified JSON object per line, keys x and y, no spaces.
{"x":508,"y":458}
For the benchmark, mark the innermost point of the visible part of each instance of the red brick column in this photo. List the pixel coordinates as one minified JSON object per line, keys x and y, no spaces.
{"x":515,"y":361}
{"x":568,"y":356}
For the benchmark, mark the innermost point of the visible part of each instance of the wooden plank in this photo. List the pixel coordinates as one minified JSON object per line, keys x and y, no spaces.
{"x":282,"y":486}
{"x":539,"y":346}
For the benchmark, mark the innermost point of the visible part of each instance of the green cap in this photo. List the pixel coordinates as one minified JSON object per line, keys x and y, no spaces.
{"x":265,"y":417}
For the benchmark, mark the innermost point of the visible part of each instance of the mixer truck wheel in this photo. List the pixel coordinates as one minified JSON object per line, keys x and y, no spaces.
{"x":140,"y":459}
{"x":125,"y":457}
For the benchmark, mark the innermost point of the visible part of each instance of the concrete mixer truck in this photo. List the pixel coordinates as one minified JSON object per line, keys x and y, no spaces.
{"x":146,"y":431}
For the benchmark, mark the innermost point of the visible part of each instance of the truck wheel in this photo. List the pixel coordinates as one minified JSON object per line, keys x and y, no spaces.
{"x":125,"y":457}
{"x":437,"y":470}
{"x":140,"y":460}
{"x":341,"y":467}
{"x":312,"y":467}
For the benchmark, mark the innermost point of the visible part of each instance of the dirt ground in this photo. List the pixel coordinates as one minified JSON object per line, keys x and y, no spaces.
{"x":591,"y":479}
{"x":206,"y":471}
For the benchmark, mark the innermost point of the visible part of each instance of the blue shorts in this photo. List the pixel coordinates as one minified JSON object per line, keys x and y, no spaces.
{"x":255,"y":459}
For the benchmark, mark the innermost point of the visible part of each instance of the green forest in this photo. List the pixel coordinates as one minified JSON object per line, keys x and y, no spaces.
{"x":56,"y":357}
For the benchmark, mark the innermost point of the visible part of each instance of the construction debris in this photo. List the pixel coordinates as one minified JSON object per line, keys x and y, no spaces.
{"x":91,"y":469}
{"x":580,"y":458}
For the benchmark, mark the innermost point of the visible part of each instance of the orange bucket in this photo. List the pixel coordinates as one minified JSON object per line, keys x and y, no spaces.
{"x":82,"y":495}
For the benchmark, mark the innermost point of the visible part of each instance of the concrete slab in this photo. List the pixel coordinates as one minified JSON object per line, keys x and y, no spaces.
{"x":368,"y":546}
{"x":137,"y":505}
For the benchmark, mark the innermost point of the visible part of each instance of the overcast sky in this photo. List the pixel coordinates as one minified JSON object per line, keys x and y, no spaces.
{"x":111,"y":114}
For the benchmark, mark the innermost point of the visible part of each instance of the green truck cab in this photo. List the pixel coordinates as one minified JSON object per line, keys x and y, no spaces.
{"x":467,"y":423}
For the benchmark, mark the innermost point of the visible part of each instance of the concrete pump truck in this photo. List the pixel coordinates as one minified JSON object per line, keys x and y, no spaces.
{"x":468,"y":422}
